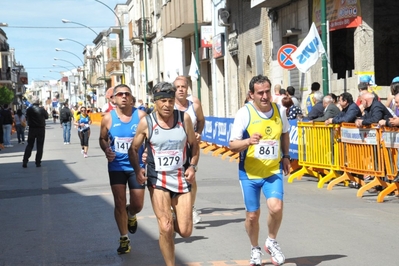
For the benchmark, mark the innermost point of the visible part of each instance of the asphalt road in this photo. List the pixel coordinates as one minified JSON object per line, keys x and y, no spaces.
{"x":62,"y":214}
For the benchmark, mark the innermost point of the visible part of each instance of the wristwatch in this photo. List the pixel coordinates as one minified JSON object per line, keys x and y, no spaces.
{"x":287,"y":156}
{"x":194,"y":166}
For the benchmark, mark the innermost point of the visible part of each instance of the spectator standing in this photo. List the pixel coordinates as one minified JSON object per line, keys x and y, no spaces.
{"x":261,"y":133}
{"x":310,"y":99}
{"x":20,"y":124}
{"x":391,"y":98}
{"x":36,"y":117}
{"x":330,"y":109}
{"x":350,"y":111}
{"x":317,"y":109}
{"x":66,"y":120}
{"x":7,"y":125}
{"x":291,"y":93}
{"x":277,"y":96}
{"x":374,"y":110}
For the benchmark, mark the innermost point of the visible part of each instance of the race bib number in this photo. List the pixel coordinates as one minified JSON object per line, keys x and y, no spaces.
{"x":267,"y":150}
{"x":122,"y":145}
{"x":168,"y":160}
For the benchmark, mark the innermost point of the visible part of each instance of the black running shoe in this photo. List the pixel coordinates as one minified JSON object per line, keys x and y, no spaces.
{"x":124,"y":245}
{"x":131,"y":222}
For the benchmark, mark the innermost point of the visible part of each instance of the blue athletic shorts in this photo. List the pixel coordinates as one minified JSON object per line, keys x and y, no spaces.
{"x":272,"y":187}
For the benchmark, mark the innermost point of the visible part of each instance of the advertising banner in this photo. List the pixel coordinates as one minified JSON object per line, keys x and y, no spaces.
{"x":341,"y":14}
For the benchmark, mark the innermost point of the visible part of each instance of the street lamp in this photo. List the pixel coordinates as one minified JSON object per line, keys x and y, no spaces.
{"x":59,"y":59}
{"x":66,"y":39}
{"x":121,"y":45}
{"x":61,"y":50}
{"x":102,"y":45}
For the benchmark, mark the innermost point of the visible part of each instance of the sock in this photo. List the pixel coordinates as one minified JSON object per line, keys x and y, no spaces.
{"x":122,"y":236}
{"x":129,"y":215}
{"x":252,"y":247}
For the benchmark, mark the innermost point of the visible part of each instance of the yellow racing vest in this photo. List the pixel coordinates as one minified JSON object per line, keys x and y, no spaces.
{"x":262,"y":160}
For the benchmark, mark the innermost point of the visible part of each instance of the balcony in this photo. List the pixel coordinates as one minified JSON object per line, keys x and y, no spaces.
{"x":178,"y":18}
{"x":268,"y":3}
{"x":128,"y":55}
{"x":5,"y":76}
{"x":113,"y":67}
{"x":136,"y":31}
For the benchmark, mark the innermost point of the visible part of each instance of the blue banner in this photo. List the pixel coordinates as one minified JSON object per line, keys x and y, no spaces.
{"x":293,"y":139}
{"x":217,"y":131}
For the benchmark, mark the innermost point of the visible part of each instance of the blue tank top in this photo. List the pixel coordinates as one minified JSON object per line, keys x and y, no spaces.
{"x":121,"y":135}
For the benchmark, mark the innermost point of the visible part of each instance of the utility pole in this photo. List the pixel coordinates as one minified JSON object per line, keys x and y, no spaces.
{"x":324,"y":40}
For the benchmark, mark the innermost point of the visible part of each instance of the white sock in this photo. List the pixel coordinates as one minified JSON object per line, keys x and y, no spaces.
{"x":122,"y":236}
{"x":270,"y":240}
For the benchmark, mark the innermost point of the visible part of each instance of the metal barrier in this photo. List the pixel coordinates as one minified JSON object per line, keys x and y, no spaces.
{"x":390,"y":145}
{"x":317,"y":148}
{"x":360,"y":153}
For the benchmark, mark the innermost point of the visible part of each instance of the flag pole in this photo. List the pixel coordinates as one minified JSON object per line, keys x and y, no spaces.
{"x":324,"y":40}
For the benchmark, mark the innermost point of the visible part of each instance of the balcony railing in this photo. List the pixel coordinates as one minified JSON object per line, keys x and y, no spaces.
{"x":141,"y":26}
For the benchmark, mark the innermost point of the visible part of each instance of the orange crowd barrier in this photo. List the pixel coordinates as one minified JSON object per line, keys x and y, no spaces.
{"x":360,"y":154}
{"x":390,"y":145}
{"x":96,"y":118}
{"x":317,"y":152}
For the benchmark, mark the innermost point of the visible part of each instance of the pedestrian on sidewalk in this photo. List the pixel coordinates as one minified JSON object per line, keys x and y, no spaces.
{"x":118,"y":127}
{"x":65,"y":120}
{"x":261,"y":133}
{"x":36,"y":117}
{"x":20,"y":124}
{"x":170,"y":167}
{"x":7,"y":125}
{"x":83,"y":123}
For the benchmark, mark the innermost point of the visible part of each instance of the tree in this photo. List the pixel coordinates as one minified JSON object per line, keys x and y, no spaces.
{"x":6,"y":95}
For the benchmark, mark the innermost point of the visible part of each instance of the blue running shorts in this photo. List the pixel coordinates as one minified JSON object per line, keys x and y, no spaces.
{"x":272,"y":187}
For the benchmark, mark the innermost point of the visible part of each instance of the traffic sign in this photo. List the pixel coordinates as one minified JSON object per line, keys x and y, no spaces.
{"x":284,"y":56}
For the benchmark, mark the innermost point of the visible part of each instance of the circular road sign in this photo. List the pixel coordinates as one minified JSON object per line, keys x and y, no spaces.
{"x":284,"y":56}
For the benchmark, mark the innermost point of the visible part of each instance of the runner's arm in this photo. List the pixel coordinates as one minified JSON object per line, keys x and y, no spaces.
{"x":191,"y":139}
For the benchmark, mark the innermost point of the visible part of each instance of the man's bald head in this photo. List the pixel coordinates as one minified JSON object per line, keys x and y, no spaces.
{"x":367,"y":99}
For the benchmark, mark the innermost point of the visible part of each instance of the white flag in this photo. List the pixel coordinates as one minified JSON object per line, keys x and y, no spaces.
{"x":309,"y":51}
{"x":194,"y":71}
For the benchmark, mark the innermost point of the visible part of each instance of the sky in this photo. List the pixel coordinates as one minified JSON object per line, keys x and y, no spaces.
{"x":35,"y":26}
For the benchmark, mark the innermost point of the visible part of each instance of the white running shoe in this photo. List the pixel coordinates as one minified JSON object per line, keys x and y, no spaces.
{"x":256,"y":257}
{"x":277,"y":256}
{"x":196,"y":217}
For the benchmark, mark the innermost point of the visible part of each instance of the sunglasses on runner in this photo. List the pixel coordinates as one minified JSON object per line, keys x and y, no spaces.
{"x":123,"y":93}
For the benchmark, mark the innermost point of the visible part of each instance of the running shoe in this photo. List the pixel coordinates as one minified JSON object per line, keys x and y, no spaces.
{"x":277,"y":256}
{"x":196,"y":217}
{"x":124,"y":245}
{"x":256,"y":257}
{"x":85,"y":155}
{"x":131,"y":222}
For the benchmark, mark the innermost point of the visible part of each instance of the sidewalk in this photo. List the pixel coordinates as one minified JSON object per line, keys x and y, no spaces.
{"x":62,"y":214}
